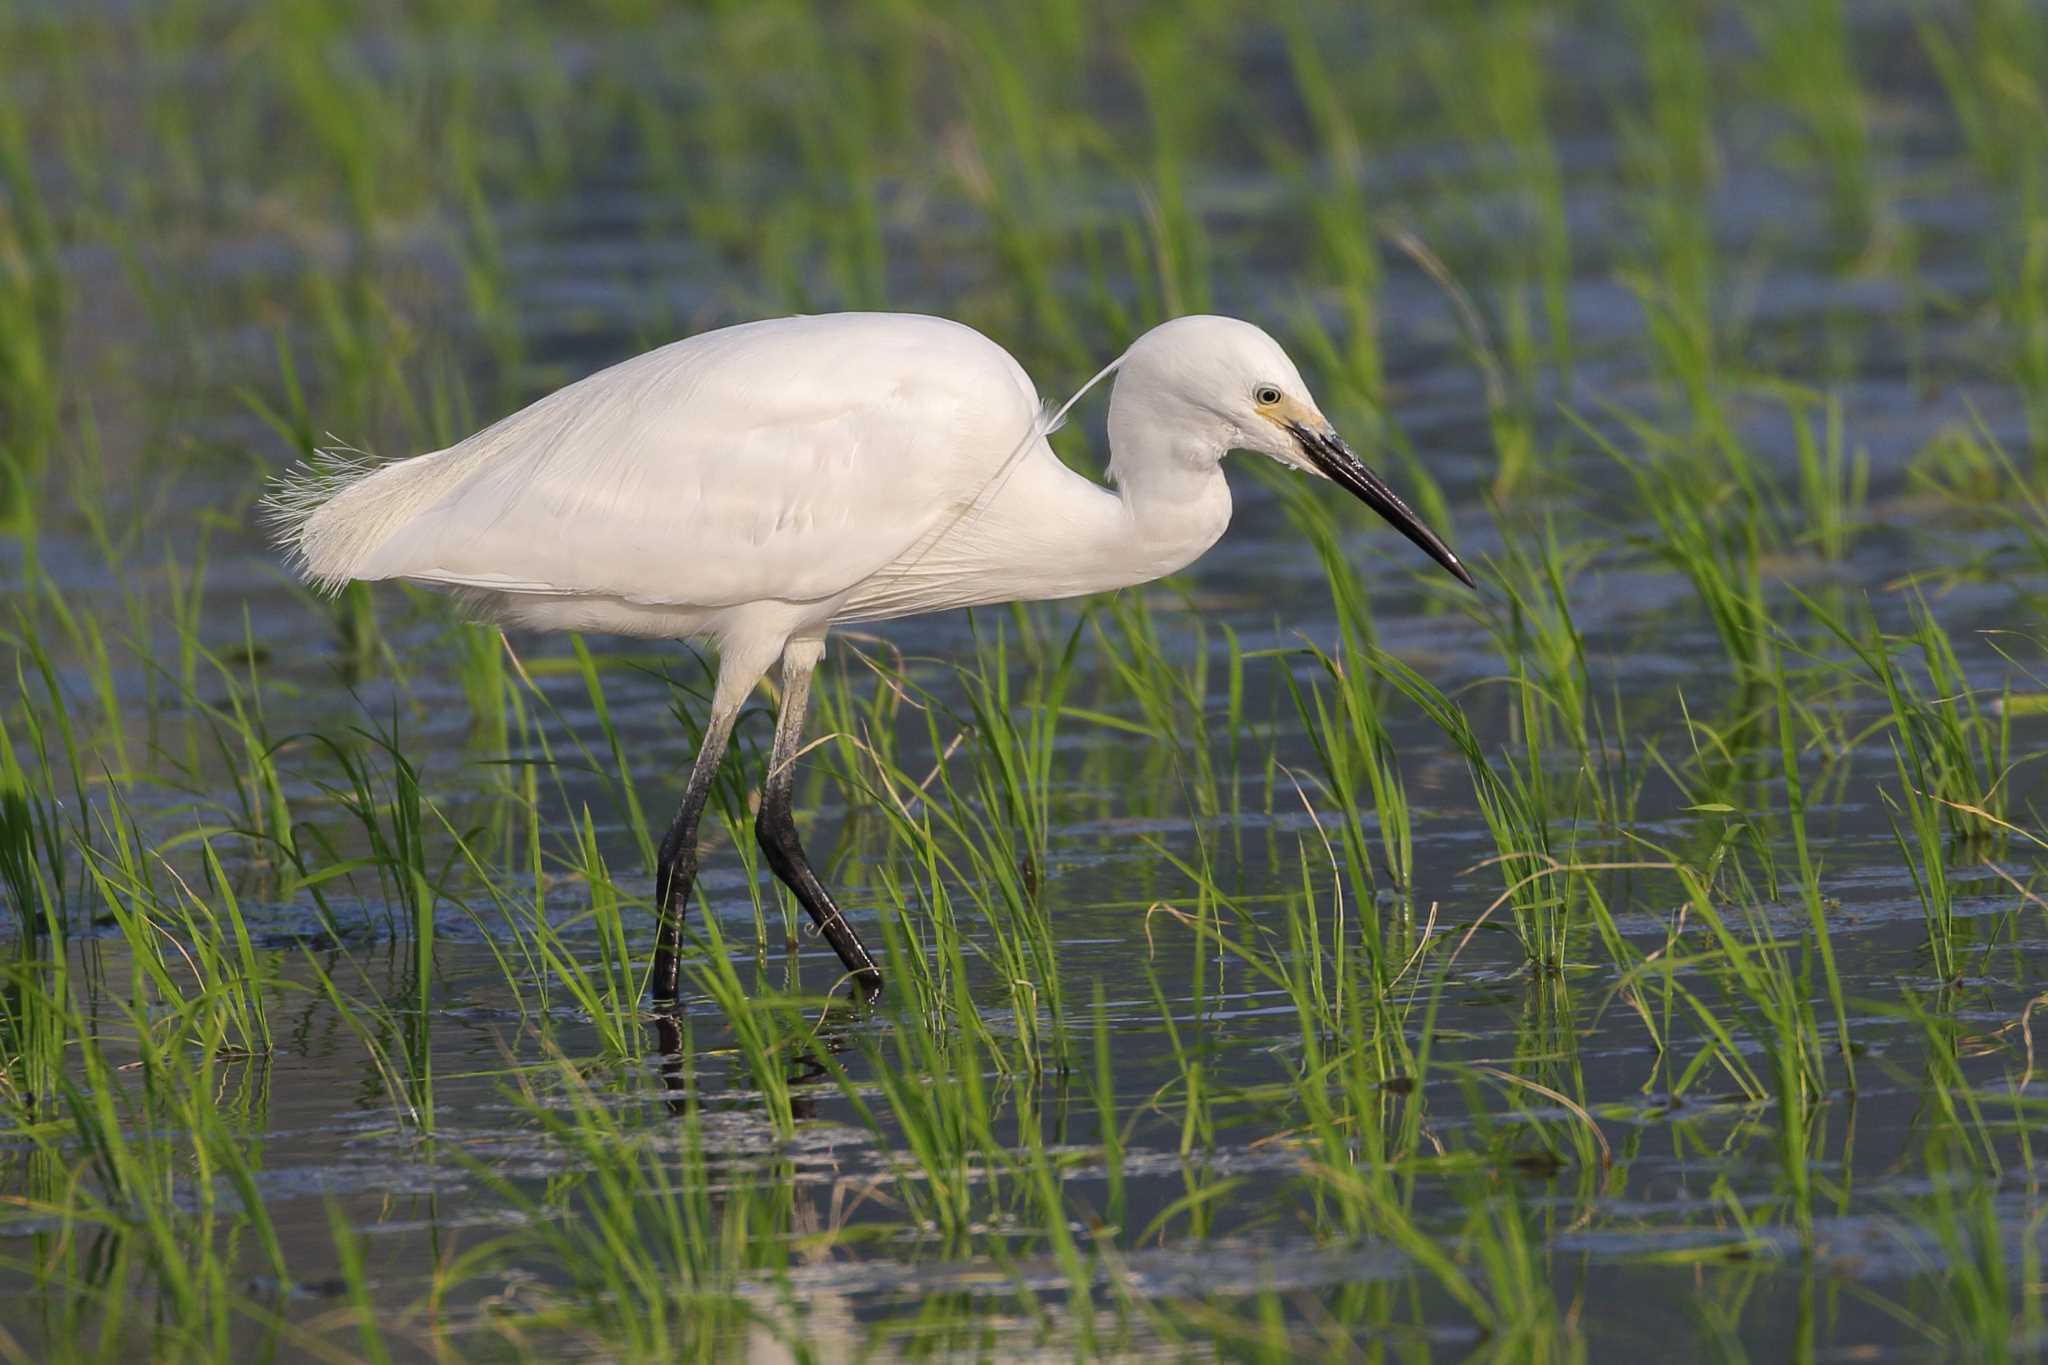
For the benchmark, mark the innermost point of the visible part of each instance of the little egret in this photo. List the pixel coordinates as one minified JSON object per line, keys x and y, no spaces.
{"x":755,"y":486}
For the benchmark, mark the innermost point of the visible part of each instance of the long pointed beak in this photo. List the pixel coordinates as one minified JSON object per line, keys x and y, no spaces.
{"x":1328,"y":453}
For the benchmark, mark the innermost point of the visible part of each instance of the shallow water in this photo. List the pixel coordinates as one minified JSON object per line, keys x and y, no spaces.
{"x":1682,"y":1244}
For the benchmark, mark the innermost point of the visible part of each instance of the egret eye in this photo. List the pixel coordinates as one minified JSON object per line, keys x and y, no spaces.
{"x":1266,"y":395}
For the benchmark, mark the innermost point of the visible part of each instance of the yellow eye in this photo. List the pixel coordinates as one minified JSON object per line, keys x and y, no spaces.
{"x":1266,"y":395}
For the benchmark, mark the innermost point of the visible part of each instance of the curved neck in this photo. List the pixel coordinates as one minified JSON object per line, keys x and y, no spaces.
{"x":1055,"y":533}
{"x":1169,"y":478}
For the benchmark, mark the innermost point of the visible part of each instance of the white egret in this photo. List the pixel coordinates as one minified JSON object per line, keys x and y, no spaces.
{"x":755,"y":486}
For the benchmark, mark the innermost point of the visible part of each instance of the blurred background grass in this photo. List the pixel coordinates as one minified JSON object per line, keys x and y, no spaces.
{"x":392,"y":221}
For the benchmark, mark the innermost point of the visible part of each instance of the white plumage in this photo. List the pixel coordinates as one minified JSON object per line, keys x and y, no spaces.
{"x":756,"y":485}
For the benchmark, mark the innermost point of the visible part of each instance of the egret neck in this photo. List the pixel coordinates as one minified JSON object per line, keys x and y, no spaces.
{"x":1168,"y":470}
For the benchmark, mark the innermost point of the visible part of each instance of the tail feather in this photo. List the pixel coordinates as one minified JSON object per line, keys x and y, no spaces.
{"x":329,"y":514}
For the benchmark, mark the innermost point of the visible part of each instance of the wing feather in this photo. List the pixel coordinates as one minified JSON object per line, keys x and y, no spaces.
{"x":790,"y":459}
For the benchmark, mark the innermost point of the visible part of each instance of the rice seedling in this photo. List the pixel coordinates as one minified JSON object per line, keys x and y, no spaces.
{"x":1492,"y":54}
{"x":1989,"y":64}
{"x":1950,"y":752}
{"x":1351,"y":740}
{"x":1350,"y":735}
{"x":1535,"y":842}
{"x":156,"y":1159}
{"x":983,"y":831}
{"x":648,"y":1258}
{"x":1833,"y":485}
{"x":370,"y":1340}
{"x":34,"y":847}
{"x":1808,"y":62}
{"x":1345,"y":115}
{"x":1172,"y":694}
{"x":1671,"y":150}
{"x":1819,"y":939}
{"x":1715,"y":541}
{"x":31,"y":321}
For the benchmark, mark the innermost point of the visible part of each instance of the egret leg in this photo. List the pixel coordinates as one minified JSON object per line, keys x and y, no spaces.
{"x":776,"y":826}
{"x":675,"y":871}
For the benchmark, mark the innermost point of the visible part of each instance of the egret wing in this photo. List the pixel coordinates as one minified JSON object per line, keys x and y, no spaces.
{"x":772,"y":461}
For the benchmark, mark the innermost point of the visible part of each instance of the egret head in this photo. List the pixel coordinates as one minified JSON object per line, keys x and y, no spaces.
{"x":1221,"y":385}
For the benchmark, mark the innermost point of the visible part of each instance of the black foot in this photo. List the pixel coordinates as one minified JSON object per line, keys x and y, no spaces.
{"x":775,"y":830}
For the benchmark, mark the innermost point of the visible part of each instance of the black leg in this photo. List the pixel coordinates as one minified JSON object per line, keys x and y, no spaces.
{"x":676,"y":871}
{"x":776,"y":831}
{"x":668,"y":1038}
{"x":775,"y":828}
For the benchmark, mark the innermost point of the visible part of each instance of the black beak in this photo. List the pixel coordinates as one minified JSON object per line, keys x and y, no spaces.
{"x":1327,"y":452}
